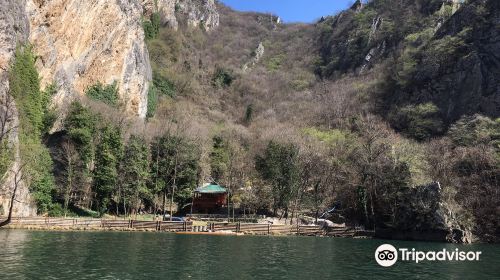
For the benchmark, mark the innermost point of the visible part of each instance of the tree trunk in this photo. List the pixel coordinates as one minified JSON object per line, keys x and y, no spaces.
{"x":372,"y":210}
{"x":164,"y":206}
{"x":66,"y":204}
{"x":232,"y":202}
{"x":172,"y":202}
{"x":12,"y":200}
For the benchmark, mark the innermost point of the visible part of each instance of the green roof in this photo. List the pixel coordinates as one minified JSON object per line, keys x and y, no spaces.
{"x":211,"y":189}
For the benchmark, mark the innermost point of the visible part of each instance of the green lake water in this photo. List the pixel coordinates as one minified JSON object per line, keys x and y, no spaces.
{"x":126,"y":255}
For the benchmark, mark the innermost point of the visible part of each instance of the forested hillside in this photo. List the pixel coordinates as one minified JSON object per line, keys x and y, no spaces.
{"x":388,"y":111}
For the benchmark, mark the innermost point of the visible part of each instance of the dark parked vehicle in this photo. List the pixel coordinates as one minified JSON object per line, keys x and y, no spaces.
{"x":166,"y":218}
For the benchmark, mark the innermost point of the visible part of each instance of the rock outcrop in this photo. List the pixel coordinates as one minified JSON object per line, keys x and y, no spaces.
{"x":14,"y":29}
{"x":423,"y":214}
{"x":197,"y":12}
{"x":166,"y":10}
{"x":459,"y":70}
{"x":80,"y":43}
{"x":200,"y":13}
{"x":256,"y":56}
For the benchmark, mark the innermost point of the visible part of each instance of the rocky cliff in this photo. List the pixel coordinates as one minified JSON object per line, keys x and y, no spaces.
{"x":80,"y":43}
{"x":197,"y":12}
{"x":459,"y":69}
{"x":423,"y":214}
{"x":441,"y":53}
{"x":14,"y":28}
{"x":200,"y":13}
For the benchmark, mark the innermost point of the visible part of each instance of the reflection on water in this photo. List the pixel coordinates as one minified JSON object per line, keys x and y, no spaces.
{"x":122,"y":255}
{"x":12,"y":244}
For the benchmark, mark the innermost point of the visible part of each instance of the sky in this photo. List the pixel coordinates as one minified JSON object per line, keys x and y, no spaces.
{"x":292,"y":10}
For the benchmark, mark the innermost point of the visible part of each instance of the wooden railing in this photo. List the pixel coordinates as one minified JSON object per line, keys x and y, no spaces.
{"x":164,"y":226}
{"x":265,"y":229}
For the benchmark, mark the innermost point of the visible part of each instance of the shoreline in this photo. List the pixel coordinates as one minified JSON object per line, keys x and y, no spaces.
{"x":213,"y":228}
{"x":219,"y":233}
{"x":186,"y":227}
{"x":215,"y":234}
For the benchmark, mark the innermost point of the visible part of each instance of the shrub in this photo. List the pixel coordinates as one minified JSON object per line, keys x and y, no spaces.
{"x":152,"y":26}
{"x":104,"y":93}
{"x":276,"y":62}
{"x":474,"y":130}
{"x":163,"y":85}
{"x":56,"y":210}
{"x":330,"y":137}
{"x":420,"y":122}
{"x":152,"y":101}
{"x":222,"y":78}
{"x":249,"y":114}
{"x":300,"y":84}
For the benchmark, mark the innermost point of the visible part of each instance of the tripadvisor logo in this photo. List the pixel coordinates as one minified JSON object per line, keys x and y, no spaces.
{"x":387,"y":255}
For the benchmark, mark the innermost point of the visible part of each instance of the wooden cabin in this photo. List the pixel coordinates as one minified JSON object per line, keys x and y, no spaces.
{"x":209,"y":199}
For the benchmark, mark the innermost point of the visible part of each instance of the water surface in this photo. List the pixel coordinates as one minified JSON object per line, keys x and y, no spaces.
{"x":133,"y":255}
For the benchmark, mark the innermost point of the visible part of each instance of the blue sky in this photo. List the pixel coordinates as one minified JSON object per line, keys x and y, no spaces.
{"x":292,"y":10}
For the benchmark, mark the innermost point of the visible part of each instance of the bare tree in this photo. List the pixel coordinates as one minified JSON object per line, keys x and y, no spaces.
{"x":18,"y":178}
{"x":369,"y":158}
{"x":69,"y":180}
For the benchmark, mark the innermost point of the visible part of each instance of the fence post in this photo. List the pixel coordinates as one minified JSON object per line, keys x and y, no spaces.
{"x":130,"y":223}
{"x":268,"y":228}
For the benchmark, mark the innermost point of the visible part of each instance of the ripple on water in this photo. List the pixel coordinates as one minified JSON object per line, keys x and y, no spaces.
{"x":126,"y":255}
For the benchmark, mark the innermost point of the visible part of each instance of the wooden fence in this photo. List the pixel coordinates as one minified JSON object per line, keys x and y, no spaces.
{"x":265,"y":229}
{"x":222,"y":218}
{"x":164,"y":226}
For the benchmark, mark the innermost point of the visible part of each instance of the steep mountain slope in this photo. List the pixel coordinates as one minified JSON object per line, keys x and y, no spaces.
{"x":80,"y":43}
{"x":359,"y":55}
{"x":459,"y":68}
{"x":365,"y":110}
{"x":438,"y":56}
{"x":202,"y":14}
{"x":13,"y":29}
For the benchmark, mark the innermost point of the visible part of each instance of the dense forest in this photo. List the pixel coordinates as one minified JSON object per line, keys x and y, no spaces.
{"x":366,"y":111}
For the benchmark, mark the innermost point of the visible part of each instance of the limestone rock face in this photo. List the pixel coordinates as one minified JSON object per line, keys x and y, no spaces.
{"x":166,"y":9}
{"x":80,"y":43}
{"x":200,"y":12}
{"x":258,"y":54}
{"x":197,"y":12}
{"x":467,"y":81}
{"x":14,"y":28}
{"x":423,"y":214}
